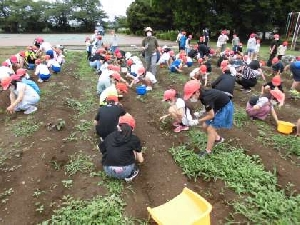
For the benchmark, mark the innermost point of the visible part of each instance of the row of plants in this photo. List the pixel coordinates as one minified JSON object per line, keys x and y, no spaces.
{"x":261,"y":201}
{"x":101,"y":209}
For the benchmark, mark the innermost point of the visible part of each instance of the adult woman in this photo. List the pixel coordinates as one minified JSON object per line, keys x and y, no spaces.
{"x":150,"y":46}
{"x":120,"y":150}
{"x":22,"y":96}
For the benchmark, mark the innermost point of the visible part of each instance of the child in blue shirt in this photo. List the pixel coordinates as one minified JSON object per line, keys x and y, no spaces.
{"x":176,"y":66}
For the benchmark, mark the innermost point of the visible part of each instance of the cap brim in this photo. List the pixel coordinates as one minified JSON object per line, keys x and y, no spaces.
{"x":276,"y":83}
{"x":187,"y":96}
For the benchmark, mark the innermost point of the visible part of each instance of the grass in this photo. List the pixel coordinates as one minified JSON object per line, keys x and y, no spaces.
{"x":79,"y":162}
{"x":240,"y":117}
{"x":99,"y":210}
{"x":261,"y":202}
{"x":25,"y":127}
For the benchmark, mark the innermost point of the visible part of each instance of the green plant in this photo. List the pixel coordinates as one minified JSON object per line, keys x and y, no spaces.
{"x":5,"y":194}
{"x":79,"y":162}
{"x":99,"y":210}
{"x":39,"y":207}
{"x":67,"y":183}
{"x":262,"y":202}
{"x":25,"y":127}
{"x":113,"y":186}
{"x":84,"y":126}
{"x":37,"y":193}
{"x":240,"y":117}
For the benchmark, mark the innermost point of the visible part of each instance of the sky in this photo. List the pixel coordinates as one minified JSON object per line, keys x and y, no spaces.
{"x":115,"y":7}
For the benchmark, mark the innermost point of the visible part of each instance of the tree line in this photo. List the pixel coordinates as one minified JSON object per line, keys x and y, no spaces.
{"x":241,"y":17}
{"x":36,"y":16}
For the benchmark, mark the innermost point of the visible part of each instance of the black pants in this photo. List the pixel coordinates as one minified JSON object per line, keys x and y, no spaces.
{"x":269,"y":63}
{"x":247,"y":83}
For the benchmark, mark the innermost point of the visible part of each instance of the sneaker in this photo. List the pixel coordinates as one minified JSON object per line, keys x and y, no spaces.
{"x":219,"y":141}
{"x":40,"y":81}
{"x":203,"y":154}
{"x":247,"y":90}
{"x":181,"y":128}
{"x":149,"y":88}
{"x":30,"y":110}
{"x":133,"y":174}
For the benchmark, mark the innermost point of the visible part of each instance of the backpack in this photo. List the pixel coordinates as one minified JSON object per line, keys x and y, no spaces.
{"x":32,"y":84}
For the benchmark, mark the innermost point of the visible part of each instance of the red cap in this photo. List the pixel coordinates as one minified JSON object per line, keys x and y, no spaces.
{"x":5,"y":82}
{"x":275,"y":60}
{"x":200,"y":60}
{"x":298,"y":58}
{"x":128,"y":119}
{"x":116,"y":76}
{"x":224,"y":63}
{"x":169,"y":94}
{"x":276,"y":81}
{"x":122,"y":87}
{"x":15,"y":77}
{"x":14,"y":59}
{"x":278,"y":95}
{"x":21,"y":72}
{"x":119,"y":55}
{"x":252,"y":35}
{"x":203,"y":69}
{"x":39,"y":39}
{"x":190,"y":88}
{"x":5,"y":63}
{"x":129,"y":62}
{"x":172,"y":53}
{"x":112,"y":98}
{"x":285,"y":43}
{"x":141,"y":71}
{"x":116,"y":68}
{"x":22,"y":53}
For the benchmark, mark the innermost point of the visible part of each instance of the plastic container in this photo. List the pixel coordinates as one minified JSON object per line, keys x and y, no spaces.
{"x":188,"y":208}
{"x":141,"y":90}
{"x":285,"y":127}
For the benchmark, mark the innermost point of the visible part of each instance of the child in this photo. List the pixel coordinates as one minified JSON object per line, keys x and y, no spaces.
{"x":274,"y":85}
{"x":178,"y":111}
{"x":260,"y":108}
{"x":281,"y":50}
{"x":54,"y":65}
{"x":199,"y":74}
{"x":145,"y":77}
{"x":277,"y":66}
{"x":188,"y":44}
{"x":176,"y":66}
{"x":42,"y":70}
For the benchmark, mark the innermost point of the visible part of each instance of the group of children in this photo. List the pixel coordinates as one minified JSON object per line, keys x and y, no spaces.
{"x":43,"y":59}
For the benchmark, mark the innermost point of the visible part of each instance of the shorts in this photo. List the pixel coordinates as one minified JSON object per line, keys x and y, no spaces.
{"x":189,"y":64}
{"x":173,"y":69}
{"x":296,"y":77}
{"x":56,"y":69}
{"x":223,"y":118}
{"x":119,"y":172}
{"x":250,"y":50}
{"x":44,"y":76}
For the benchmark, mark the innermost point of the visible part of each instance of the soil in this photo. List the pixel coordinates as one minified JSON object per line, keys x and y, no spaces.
{"x":31,"y":159}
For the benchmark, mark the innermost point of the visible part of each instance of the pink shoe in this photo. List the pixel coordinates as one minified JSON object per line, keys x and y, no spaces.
{"x":181,"y":128}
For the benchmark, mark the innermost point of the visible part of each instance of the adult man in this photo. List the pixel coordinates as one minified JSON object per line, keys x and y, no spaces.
{"x":273,"y":49}
{"x":219,"y":111}
{"x":150,"y":47}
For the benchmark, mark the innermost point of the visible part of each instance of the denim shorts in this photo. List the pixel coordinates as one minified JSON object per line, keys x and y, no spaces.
{"x":223,"y":118}
{"x":119,"y":172}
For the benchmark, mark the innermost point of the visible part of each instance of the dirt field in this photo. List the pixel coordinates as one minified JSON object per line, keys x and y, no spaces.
{"x":34,"y":167}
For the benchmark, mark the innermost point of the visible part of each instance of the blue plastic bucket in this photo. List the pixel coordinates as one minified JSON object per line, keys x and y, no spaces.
{"x":141,"y":90}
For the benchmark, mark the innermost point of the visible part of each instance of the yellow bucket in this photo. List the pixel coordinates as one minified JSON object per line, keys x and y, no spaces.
{"x":285,"y":127}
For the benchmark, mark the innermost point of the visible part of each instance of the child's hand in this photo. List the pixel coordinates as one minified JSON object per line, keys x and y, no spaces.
{"x":162,"y":118}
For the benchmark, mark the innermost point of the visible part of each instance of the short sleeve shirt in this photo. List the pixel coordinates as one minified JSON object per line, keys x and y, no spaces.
{"x":213,"y":99}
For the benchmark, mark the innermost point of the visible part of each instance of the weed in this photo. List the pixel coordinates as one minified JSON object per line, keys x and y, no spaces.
{"x":39,"y":207}
{"x":263,"y":203}
{"x":113,"y":186}
{"x":79,"y":162}
{"x":37,"y":193}
{"x":67,"y":183}
{"x":5,"y":194}
{"x":25,"y":127}
{"x":240,"y":117}
{"x":55,"y":165}
{"x":84,"y":126}
{"x":72,"y":137}
{"x":99,"y":210}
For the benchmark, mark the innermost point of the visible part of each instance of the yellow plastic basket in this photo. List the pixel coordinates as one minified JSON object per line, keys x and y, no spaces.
{"x":188,"y":208}
{"x":285,"y":127}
